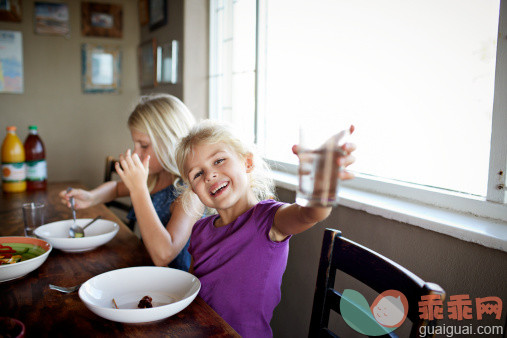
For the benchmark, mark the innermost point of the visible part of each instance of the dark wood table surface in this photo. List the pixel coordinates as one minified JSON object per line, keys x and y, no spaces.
{"x":47,"y":312}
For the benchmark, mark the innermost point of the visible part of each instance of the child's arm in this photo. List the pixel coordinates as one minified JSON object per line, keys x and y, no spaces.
{"x":293,"y":219}
{"x":163,"y":243}
{"x":103,"y":193}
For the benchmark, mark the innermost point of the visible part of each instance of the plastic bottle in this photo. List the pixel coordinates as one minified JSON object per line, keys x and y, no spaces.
{"x":36,"y":167}
{"x":13,"y":163}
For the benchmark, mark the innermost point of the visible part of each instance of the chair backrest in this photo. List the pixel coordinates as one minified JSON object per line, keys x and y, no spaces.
{"x":108,"y":176}
{"x":373,"y":270}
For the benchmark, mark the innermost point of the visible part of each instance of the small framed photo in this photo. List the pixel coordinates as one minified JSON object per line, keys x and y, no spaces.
{"x":147,"y":64}
{"x":144,"y":17}
{"x":167,"y":62}
{"x":10,"y":10}
{"x":101,"y":65}
{"x":103,"y":20}
{"x":11,"y":62}
{"x":158,"y":13}
{"x":51,"y":18}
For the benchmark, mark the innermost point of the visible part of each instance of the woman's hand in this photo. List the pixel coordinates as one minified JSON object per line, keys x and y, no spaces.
{"x":82,"y":198}
{"x":132,"y":171}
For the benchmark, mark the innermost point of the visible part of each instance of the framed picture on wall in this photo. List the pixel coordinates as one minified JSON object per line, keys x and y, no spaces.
{"x":51,"y":18}
{"x":158,"y":14}
{"x":143,"y":12}
{"x":10,"y":10}
{"x":167,"y":62}
{"x":147,"y":64}
{"x":101,"y":65}
{"x":103,"y":20}
{"x":11,"y":62}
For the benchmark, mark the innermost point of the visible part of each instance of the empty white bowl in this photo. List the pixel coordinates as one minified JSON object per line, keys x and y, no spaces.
{"x":97,"y":234}
{"x":172,"y":290}
{"x":39,"y":248}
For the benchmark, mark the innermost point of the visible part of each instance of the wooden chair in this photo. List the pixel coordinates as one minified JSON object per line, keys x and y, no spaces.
{"x":372,"y":269}
{"x":108,"y":176}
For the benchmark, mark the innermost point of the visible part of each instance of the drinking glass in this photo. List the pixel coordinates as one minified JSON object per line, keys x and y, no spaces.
{"x":33,"y":216}
{"x":318,"y":171}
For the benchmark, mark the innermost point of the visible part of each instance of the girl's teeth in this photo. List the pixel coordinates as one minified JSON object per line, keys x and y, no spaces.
{"x":218,"y":188}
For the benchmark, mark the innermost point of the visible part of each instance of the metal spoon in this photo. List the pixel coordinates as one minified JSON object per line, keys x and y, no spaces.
{"x":72,"y":231}
{"x":76,"y":231}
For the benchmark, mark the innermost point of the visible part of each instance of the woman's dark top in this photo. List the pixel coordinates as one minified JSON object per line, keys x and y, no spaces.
{"x":162,"y":201}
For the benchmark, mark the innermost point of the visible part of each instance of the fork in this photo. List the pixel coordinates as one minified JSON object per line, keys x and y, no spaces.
{"x":64,"y":289}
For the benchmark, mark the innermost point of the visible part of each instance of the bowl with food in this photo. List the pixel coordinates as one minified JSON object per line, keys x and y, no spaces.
{"x":139,"y":294}
{"x":21,"y":255}
{"x":98,"y":233}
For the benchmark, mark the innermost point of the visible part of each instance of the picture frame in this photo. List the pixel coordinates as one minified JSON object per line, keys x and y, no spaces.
{"x":102,"y":20}
{"x":167,"y":62}
{"x":144,"y":17}
{"x":157,"y":14}
{"x":11,"y":60}
{"x":147,"y":64}
{"x":51,"y":18}
{"x":10,"y":10}
{"x":101,"y":68}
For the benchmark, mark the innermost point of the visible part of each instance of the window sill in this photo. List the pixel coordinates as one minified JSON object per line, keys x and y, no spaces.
{"x":487,"y":232}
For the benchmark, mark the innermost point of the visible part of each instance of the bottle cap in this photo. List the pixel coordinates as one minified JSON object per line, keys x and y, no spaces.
{"x":11,"y":128}
{"x":32,"y":127}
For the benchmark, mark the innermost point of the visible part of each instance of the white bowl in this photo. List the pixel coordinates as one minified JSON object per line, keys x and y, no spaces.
{"x":172,"y":290}
{"x":16,"y":270}
{"x":57,"y":233}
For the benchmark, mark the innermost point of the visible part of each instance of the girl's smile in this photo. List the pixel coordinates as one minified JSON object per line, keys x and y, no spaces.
{"x":218,"y":188}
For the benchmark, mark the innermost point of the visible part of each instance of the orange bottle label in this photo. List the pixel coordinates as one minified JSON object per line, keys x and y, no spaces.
{"x":13,"y":172}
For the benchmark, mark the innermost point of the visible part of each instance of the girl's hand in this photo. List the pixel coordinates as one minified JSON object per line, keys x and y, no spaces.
{"x":82,"y":198}
{"x":132,"y":171}
{"x":345,"y":161}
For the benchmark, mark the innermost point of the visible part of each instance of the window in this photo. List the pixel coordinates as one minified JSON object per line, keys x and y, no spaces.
{"x":416,"y":78}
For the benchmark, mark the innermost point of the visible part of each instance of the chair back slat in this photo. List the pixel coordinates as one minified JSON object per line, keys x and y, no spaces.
{"x":370,"y":268}
{"x":351,"y":257}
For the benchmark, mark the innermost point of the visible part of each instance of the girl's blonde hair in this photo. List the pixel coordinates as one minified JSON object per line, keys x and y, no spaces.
{"x":166,"y":120}
{"x":212,"y":132}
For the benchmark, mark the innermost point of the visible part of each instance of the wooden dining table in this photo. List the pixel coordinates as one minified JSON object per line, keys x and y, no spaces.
{"x":47,"y":312}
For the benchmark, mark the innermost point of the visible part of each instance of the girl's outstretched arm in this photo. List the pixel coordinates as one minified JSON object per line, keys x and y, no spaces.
{"x":293,"y":219}
{"x":163,"y":243}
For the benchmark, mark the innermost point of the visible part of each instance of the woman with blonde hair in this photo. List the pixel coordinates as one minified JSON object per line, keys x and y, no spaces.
{"x":156,"y":125}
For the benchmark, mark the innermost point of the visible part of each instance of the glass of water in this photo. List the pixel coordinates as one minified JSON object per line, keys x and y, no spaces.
{"x":318,"y":171}
{"x":33,"y":216}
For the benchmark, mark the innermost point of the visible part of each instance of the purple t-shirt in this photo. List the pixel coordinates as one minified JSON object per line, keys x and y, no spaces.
{"x":240,"y":268}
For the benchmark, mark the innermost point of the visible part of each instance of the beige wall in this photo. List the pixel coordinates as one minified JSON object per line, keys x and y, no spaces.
{"x":79,"y":130}
{"x":196,"y":49}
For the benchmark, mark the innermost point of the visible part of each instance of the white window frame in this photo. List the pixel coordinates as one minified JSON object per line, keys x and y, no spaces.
{"x":493,"y":206}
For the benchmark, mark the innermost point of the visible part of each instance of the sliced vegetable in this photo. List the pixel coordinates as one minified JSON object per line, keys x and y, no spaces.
{"x":18,"y":252}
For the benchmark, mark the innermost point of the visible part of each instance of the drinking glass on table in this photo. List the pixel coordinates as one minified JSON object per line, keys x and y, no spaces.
{"x":318,"y":171}
{"x":33,"y":216}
